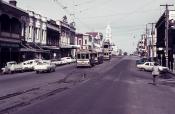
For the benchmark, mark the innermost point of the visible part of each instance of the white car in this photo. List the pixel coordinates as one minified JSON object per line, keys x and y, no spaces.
{"x":29,"y":64}
{"x":73,"y":60}
{"x":44,"y":66}
{"x":56,"y":62}
{"x":67,"y":60}
{"x":148,"y":66}
{"x":12,"y":67}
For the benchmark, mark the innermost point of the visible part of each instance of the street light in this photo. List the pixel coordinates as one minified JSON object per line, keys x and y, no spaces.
{"x":172,"y":27}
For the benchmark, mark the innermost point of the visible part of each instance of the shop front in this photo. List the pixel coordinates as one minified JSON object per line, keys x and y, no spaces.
{"x":54,"y":52}
{"x":9,"y":52}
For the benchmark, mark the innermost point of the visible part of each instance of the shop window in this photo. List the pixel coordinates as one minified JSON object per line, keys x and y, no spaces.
{"x":5,"y":23}
{"x":15,"y":26}
{"x":79,"y":42}
{"x":85,"y":41}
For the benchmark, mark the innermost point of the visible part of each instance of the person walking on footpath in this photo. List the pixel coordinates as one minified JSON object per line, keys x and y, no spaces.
{"x":155,"y":72}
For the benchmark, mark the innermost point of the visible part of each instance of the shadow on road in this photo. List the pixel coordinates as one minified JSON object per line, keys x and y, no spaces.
{"x":165,"y":76}
{"x":171,"y":84}
{"x":167,"y":80}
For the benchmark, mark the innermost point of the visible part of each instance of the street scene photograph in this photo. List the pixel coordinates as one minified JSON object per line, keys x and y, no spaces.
{"x":87,"y":57}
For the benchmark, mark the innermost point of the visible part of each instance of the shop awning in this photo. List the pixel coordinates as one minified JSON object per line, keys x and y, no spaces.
{"x":51,"y":47}
{"x":32,"y":47}
{"x":70,"y":46}
{"x":8,"y":44}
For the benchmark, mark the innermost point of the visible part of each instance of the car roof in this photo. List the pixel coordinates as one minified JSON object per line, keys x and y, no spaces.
{"x":149,"y":62}
{"x":65,"y":57}
{"x":12,"y":62}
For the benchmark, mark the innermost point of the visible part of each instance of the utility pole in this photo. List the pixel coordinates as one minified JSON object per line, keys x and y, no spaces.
{"x":152,"y":40}
{"x":166,"y":30}
{"x":146,"y":38}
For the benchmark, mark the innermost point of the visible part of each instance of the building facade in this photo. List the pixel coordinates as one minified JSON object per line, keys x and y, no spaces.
{"x":12,"y":31}
{"x":166,"y":51}
{"x":151,"y":44}
{"x":36,"y":35}
{"x":27,"y":35}
{"x":87,"y":42}
{"x":97,"y":40}
{"x":142,"y":46}
{"x":52,"y":40}
{"x":67,"y":38}
{"x":79,"y":40}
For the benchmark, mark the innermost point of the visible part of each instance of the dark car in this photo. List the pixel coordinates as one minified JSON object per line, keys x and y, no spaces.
{"x":141,"y":61}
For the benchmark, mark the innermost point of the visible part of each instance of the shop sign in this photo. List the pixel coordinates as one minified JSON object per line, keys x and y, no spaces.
{"x":171,"y":15}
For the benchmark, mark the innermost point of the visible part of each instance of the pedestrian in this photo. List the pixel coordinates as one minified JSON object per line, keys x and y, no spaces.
{"x":155,"y":72}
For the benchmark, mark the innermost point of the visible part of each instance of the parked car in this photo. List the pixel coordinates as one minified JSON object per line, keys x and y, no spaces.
{"x":148,"y":66}
{"x":56,"y":62}
{"x":67,"y":60}
{"x":12,"y":67}
{"x":44,"y":66}
{"x":29,"y":64}
{"x":141,"y":61}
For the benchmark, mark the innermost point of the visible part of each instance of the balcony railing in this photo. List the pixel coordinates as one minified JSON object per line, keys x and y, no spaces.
{"x":11,"y":35}
{"x":15,"y":35}
{"x":5,"y":34}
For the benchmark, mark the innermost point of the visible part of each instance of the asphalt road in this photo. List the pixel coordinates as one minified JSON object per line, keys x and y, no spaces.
{"x":115,"y":87}
{"x":11,"y":83}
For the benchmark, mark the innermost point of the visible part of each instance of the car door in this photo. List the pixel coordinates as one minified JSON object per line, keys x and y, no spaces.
{"x":149,"y":67}
{"x":146,"y":66}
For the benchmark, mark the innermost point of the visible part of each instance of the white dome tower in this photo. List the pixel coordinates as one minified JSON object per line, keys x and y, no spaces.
{"x":108,"y":36}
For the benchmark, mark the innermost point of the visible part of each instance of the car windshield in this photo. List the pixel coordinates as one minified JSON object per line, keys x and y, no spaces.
{"x":41,"y":63}
{"x":12,"y":63}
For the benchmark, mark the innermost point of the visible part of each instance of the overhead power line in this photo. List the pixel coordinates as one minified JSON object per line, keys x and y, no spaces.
{"x":65,"y":8}
{"x":120,"y":14}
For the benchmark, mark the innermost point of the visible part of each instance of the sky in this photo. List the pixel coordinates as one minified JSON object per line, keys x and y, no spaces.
{"x":127,"y":18}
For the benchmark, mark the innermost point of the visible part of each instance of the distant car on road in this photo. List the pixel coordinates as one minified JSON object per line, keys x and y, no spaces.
{"x":148,"y":66}
{"x":45,"y":66}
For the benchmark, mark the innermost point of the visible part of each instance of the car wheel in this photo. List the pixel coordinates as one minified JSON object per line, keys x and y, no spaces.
{"x":49,"y":70}
{"x":2,"y":73}
{"x":9,"y":72}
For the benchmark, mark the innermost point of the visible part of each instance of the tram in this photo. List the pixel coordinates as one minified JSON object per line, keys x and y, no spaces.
{"x":85,"y":58}
{"x":107,"y":51}
{"x":98,"y":57}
